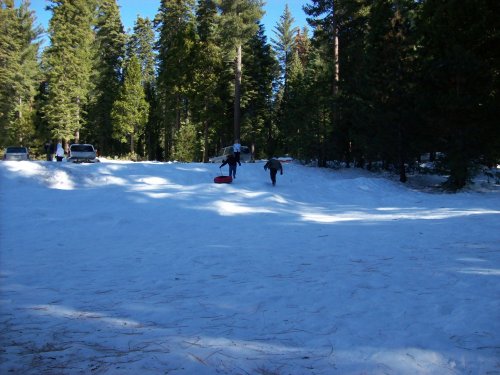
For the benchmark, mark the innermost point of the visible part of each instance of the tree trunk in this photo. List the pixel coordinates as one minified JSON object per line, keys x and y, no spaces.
{"x":237,"y":93}
{"x":205,"y":137}
{"x":131,"y":144}
{"x":335,"y":113}
{"x":402,"y":172}
{"x":167,"y":134}
{"x":177,"y":113}
{"x":77,"y":131}
{"x":336,"y":74}
{"x":401,"y":154}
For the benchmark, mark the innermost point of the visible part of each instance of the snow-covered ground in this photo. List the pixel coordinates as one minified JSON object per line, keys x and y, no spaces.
{"x":151,"y":268}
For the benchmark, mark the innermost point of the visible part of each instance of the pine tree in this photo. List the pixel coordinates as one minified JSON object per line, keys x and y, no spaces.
{"x":208,"y":72}
{"x":261,"y":71}
{"x":326,"y":17}
{"x":338,"y":34}
{"x":285,"y":47}
{"x":293,"y":109}
{"x":176,"y":27}
{"x":107,"y":72}
{"x":303,"y":44}
{"x":141,"y":44}
{"x":130,"y":111}
{"x":390,"y":68}
{"x":238,"y":24}
{"x":187,"y":148}
{"x":313,"y":110}
{"x":68,"y":61}
{"x":19,"y":72}
{"x":460,"y":75}
{"x":285,"y":42}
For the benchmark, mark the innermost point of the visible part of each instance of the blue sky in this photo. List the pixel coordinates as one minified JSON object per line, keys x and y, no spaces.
{"x":129,"y":9}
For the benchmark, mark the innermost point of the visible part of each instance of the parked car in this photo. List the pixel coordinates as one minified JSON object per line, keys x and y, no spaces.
{"x":82,"y":153}
{"x":245,"y":155}
{"x":16,"y":153}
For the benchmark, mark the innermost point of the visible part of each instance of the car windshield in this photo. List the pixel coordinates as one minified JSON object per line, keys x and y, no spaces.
{"x":16,"y":150}
{"x":82,"y":148}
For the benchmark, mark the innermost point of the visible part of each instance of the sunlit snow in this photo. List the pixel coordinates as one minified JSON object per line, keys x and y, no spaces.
{"x":151,"y":268}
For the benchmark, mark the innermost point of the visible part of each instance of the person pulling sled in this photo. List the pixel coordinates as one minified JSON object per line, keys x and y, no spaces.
{"x":232,"y":162}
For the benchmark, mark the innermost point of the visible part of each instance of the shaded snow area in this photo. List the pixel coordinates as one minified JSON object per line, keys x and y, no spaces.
{"x":151,"y":268}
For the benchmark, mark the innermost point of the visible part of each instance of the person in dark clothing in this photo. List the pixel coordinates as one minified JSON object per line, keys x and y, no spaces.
{"x":274,"y":166}
{"x":52,"y":151}
{"x":49,"y":150}
{"x":231,"y":161}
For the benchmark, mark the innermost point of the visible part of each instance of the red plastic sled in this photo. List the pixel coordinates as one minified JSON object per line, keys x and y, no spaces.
{"x":223,"y":179}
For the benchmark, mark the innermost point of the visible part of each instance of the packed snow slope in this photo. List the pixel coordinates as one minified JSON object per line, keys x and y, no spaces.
{"x":151,"y":268}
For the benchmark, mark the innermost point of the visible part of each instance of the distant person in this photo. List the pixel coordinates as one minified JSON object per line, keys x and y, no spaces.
{"x":52,"y":151}
{"x":59,"y":152}
{"x":237,"y":151}
{"x":231,"y":161}
{"x":274,"y":166}
{"x":49,"y":150}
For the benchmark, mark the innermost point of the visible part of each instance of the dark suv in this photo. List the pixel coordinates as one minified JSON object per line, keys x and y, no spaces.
{"x":82,"y":153}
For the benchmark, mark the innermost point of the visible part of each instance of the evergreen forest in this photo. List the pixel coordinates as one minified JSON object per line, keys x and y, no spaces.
{"x":368,"y":84}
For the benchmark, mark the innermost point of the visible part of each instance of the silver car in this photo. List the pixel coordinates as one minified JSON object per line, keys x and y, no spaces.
{"x":82,"y":153}
{"x":245,"y":155}
{"x":16,"y":153}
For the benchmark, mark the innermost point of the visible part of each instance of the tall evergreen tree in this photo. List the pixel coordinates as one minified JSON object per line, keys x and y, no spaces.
{"x":303,"y":44}
{"x":187,"y":148}
{"x":68,"y":61}
{"x":285,"y":42}
{"x":285,"y":46}
{"x":141,"y":44}
{"x":19,"y":72}
{"x":313,"y":98}
{"x":292,"y":109}
{"x":239,"y":23}
{"x":208,"y":73}
{"x":337,"y":25}
{"x":461,"y":75}
{"x":261,"y":71}
{"x":391,"y":81}
{"x":176,"y":27}
{"x":130,"y":110}
{"x":324,"y":19}
{"x":107,"y":73}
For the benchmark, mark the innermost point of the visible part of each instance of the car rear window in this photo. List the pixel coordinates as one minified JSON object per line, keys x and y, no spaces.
{"x":16,"y":150}
{"x":82,"y":148}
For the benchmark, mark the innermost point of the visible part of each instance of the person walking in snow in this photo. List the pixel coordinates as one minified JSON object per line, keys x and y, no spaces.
{"x":59,"y":152}
{"x":231,"y":161}
{"x":274,"y":166}
{"x":237,"y":151}
{"x":49,"y":150}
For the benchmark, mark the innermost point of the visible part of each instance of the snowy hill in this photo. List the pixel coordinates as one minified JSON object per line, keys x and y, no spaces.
{"x":151,"y":268}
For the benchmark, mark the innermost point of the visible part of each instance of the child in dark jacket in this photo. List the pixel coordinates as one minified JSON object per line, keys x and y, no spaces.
{"x":232,"y":162}
{"x":274,"y":166}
